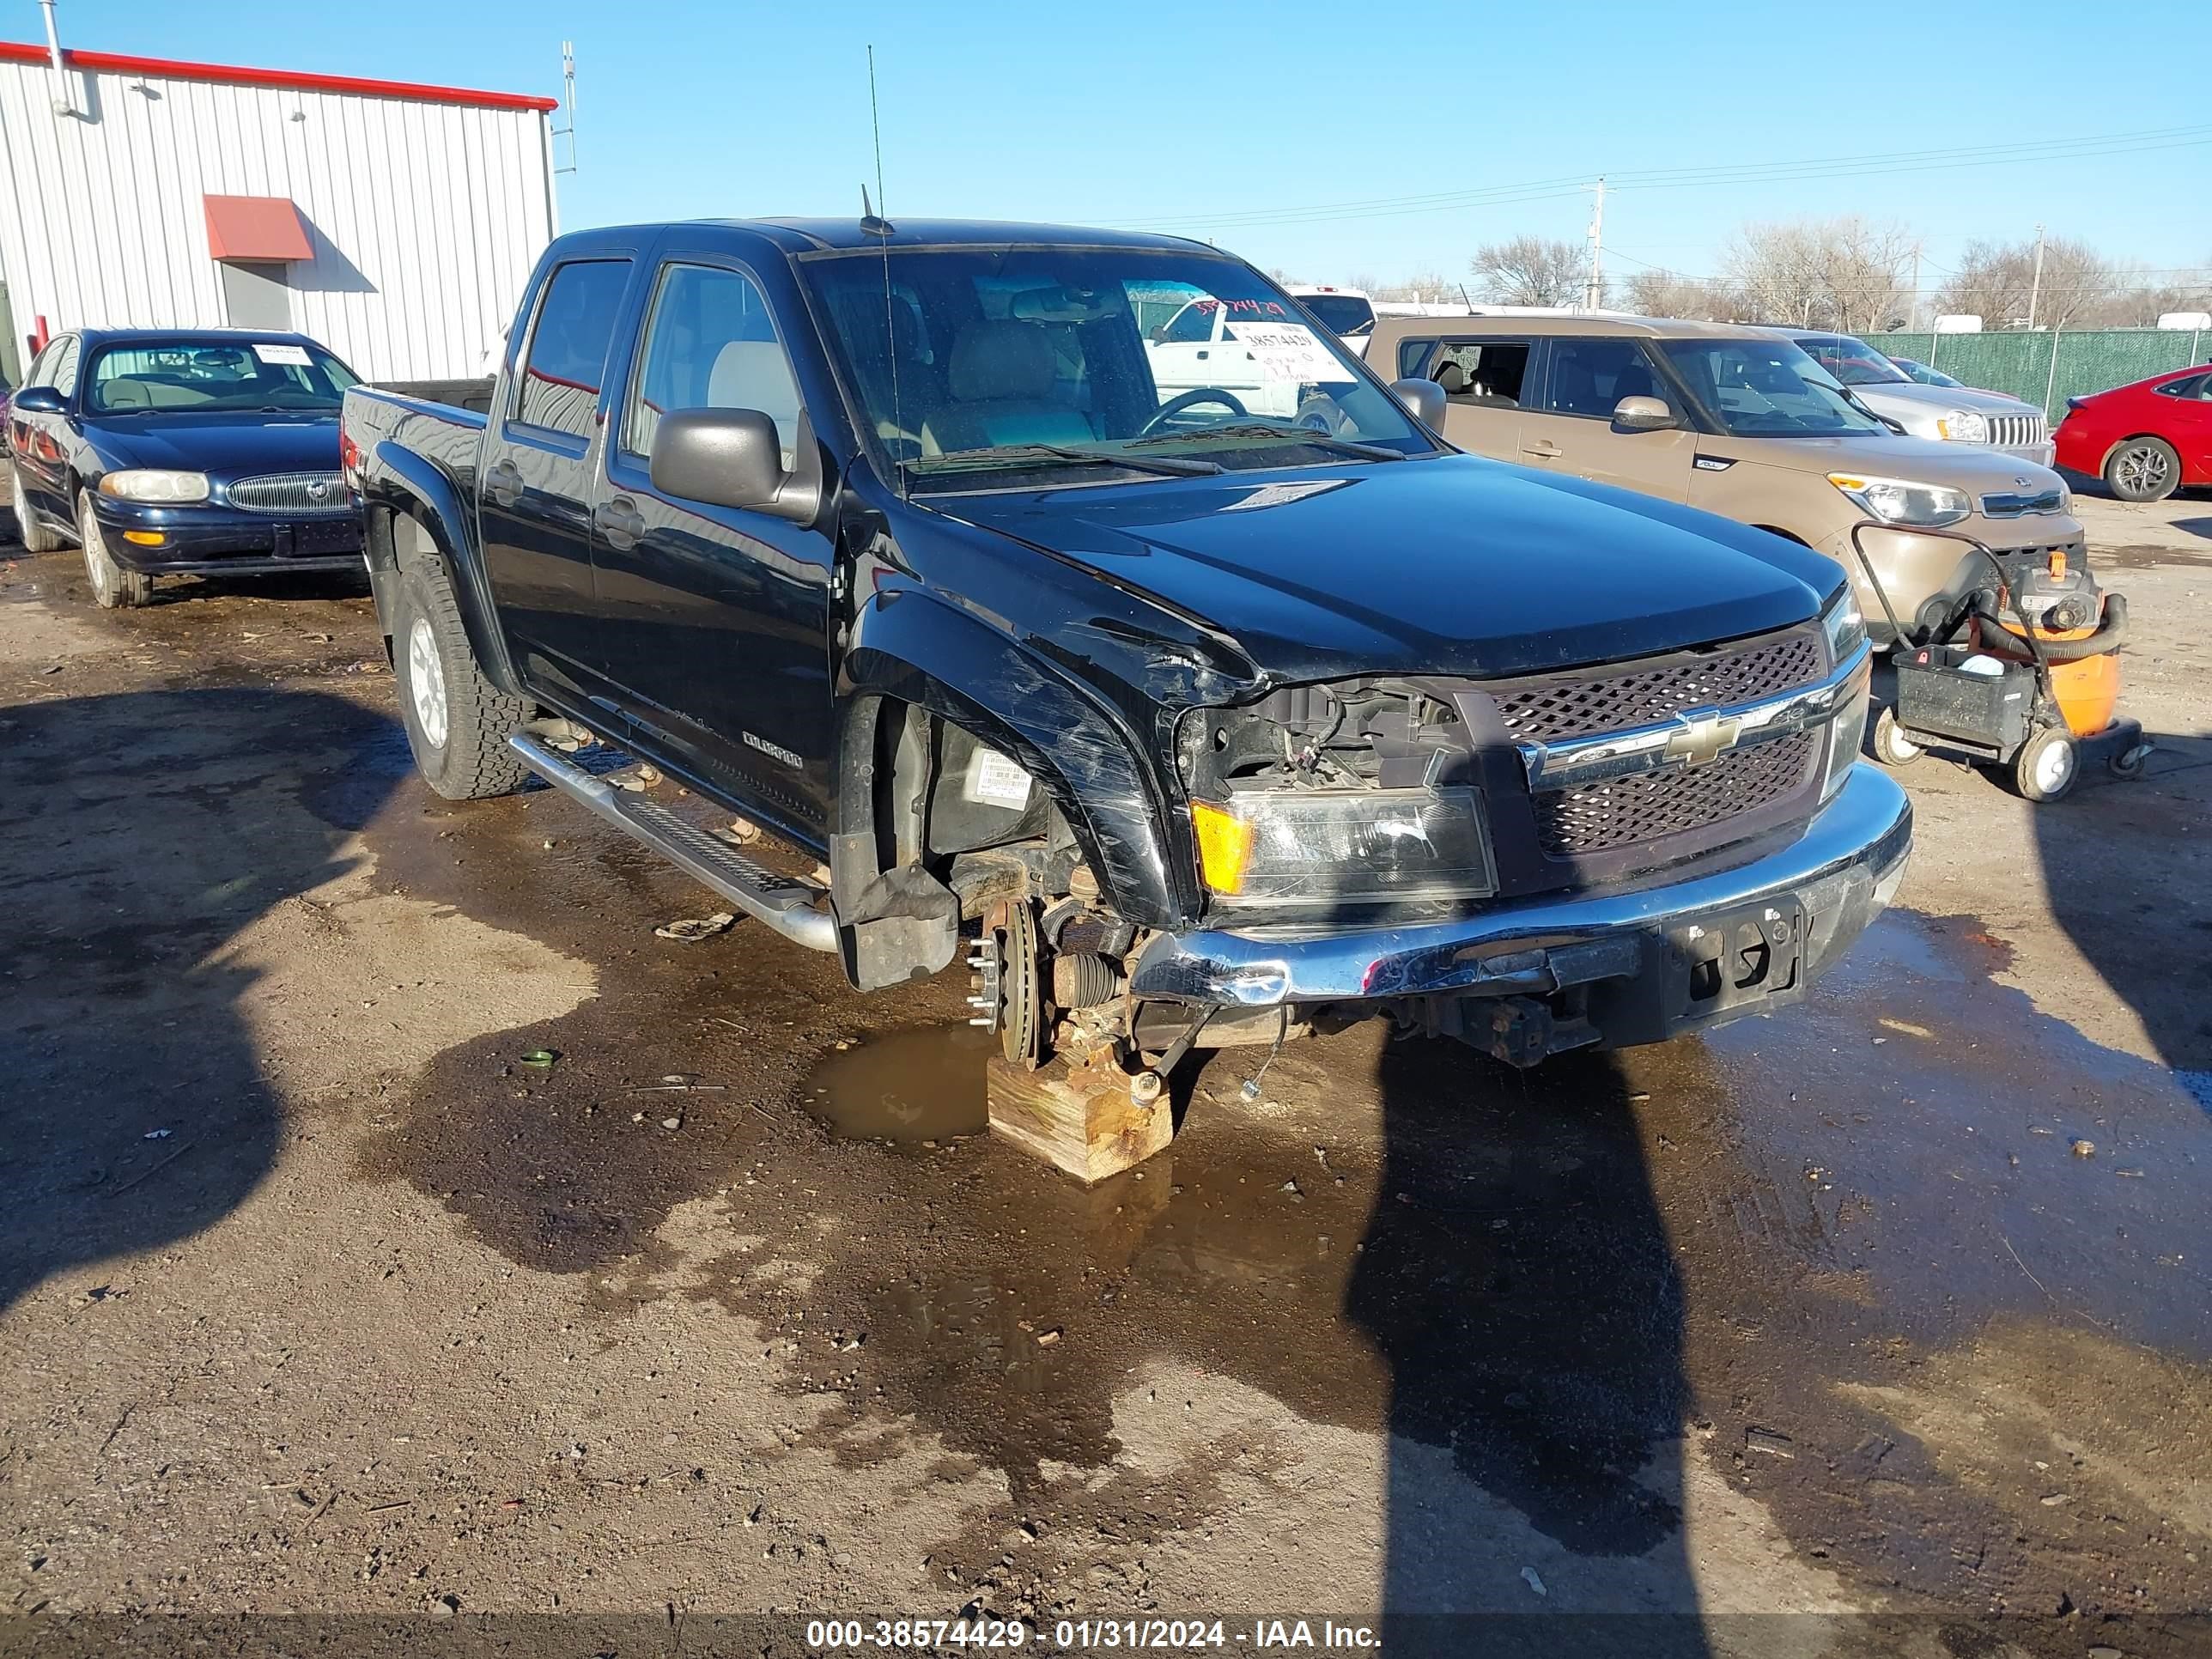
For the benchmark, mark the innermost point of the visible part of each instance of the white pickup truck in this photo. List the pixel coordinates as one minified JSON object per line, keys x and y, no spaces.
{"x":1273,"y":361}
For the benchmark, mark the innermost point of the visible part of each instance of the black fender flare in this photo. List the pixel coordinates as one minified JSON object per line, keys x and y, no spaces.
{"x":912,"y":646}
{"x":405,"y":485}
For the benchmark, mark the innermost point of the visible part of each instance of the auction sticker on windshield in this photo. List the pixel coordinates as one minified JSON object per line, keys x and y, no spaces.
{"x":288,"y":356}
{"x":1289,"y":351}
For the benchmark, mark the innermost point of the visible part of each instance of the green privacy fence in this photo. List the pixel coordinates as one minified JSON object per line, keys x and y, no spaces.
{"x":2048,"y":368}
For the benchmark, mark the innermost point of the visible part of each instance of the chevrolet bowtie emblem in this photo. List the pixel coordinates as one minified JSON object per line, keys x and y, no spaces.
{"x":1703,"y":738}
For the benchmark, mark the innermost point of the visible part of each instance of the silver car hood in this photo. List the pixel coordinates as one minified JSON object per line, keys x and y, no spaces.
{"x":1903,"y":397}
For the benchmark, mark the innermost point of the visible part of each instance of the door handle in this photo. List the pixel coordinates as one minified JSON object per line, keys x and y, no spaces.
{"x":618,"y":519}
{"x":1543,"y":449}
{"x":503,"y":482}
{"x":1201,"y":354}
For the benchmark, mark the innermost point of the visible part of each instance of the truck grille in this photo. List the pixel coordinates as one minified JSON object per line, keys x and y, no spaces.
{"x":1589,"y":704}
{"x":1617,"y":813}
{"x":295,"y":494}
{"x":2016,"y":431}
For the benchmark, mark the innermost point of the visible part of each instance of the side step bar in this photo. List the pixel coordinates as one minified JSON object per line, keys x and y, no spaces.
{"x":795,"y":909}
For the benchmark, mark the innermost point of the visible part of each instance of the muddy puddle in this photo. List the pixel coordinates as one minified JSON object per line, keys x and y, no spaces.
{"x":917,"y":1085}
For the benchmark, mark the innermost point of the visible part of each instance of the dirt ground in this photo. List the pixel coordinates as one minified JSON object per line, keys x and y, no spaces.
{"x":1830,"y":1334}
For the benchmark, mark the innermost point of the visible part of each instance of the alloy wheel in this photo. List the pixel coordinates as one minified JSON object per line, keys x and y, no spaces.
{"x":2143,"y":470}
{"x":426,"y":683}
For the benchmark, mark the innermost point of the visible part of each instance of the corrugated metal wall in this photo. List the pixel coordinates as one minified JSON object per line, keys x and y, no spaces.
{"x":2019,"y":362}
{"x":426,"y":218}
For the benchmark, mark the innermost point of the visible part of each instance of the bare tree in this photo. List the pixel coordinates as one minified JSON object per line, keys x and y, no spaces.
{"x":2139,"y":303}
{"x":1845,"y":274}
{"x":1529,"y":270}
{"x":1996,"y":282}
{"x":1665,"y":294}
{"x":1433,"y":287}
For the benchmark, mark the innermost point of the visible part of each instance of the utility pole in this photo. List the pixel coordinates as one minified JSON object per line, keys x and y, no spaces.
{"x":1594,"y":287}
{"x":1912,"y":311}
{"x":2035,"y":289}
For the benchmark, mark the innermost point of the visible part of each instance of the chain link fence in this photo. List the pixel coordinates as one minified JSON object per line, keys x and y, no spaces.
{"x":2045,"y":368}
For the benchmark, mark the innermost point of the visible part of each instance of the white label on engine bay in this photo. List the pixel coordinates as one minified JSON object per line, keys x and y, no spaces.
{"x":288,"y":356}
{"x":994,"y":781}
{"x":1288,"y":351}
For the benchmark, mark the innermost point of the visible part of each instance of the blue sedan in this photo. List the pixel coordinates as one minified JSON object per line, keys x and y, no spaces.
{"x":200,"y":452}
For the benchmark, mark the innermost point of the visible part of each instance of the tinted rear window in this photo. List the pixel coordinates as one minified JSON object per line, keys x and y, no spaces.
{"x":1340,"y":314}
{"x":567,"y":359}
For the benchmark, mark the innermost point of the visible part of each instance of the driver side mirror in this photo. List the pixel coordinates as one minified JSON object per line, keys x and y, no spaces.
{"x":1638,"y":414}
{"x":734,"y":458}
{"x":40,"y":400}
{"x":1424,"y":400}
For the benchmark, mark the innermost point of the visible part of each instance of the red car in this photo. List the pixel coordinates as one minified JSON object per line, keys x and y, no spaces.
{"x":2145,"y":440}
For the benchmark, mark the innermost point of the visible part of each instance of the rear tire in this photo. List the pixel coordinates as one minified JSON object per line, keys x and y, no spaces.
{"x":458,"y":721}
{"x":34,"y":536}
{"x":115,"y":586}
{"x":2144,"y":470}
{"x":2047,"y":765}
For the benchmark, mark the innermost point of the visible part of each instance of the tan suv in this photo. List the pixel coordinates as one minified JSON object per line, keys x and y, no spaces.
{"x":1739,"y":422}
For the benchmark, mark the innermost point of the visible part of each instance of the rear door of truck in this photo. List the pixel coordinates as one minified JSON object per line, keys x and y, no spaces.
{"x":715,"y":621}
{"x":537,"y":482}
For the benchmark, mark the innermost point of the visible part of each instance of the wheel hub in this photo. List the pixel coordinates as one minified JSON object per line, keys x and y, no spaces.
{"x":1008,"y":982}
{"x":2054,"y":766}
{"x":87,"y":533}
{"x":426,"y":683}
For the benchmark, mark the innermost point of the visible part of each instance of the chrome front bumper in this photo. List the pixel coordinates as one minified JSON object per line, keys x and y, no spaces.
{"x":1843,"y":871}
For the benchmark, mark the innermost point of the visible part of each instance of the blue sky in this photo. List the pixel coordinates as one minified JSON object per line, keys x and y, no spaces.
{"x":1292,"y":133}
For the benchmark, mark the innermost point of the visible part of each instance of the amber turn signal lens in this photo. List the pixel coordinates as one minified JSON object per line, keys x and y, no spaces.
{"x":145,"y":537}
{"x":1225,"y":846}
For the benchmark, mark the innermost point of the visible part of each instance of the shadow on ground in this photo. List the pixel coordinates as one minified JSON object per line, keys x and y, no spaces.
{"x":1518,"y":1282}
{"x":138,"y":833}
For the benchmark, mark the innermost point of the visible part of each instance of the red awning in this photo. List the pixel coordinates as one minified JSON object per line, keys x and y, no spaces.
{"x":258,"y":227}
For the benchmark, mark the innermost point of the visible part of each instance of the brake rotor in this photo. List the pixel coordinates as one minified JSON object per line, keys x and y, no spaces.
{"x":1009,"y":983}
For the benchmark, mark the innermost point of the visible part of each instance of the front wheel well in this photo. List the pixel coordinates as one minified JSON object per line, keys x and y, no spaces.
{"x":920,"y":789}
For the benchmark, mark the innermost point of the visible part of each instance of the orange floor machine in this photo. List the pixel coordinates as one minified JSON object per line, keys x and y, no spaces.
{"x":2020,"y":672}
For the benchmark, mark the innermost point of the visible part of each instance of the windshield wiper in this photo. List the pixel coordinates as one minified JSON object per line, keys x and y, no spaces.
{"x":1166,"y":466}
{"x":1299,"y":435}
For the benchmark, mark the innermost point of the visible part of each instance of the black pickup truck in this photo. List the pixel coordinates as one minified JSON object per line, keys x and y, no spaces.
{"x":1207,"y":715}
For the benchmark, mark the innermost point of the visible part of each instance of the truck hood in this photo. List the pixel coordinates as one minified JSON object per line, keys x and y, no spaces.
{"x":1447,"y":566}
{"x":1903,"y":397}
{"x":224,"y":447}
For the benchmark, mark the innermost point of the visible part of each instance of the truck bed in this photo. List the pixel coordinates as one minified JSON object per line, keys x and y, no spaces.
{"x":472,"y":395}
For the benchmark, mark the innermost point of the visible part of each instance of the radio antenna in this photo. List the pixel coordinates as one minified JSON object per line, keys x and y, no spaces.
{"x":871,"y":224}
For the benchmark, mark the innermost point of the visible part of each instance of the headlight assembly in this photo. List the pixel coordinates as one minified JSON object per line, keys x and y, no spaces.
{"x":1963,"y":426}
{"x":1904,"y":500}
{"x":156,"y":486}
{"x":1315,"y":847}
{"x":1844,"y":627}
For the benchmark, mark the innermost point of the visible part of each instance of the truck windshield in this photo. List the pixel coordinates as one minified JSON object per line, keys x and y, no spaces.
{"x":196,"y":377}
{"x":1852,"y":362}
{"x":1766,"y":389}
{"x":1343,"y":313}
{"x":971,"y":361}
